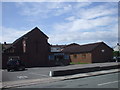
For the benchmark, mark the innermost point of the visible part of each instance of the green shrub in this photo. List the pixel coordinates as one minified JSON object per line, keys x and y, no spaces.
{"x":116,"y":53}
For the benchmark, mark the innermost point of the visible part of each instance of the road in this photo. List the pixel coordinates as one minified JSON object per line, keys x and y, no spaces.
{"x":30,"y":73}
{"x":101,"y":81}
{"x":43,"y":72}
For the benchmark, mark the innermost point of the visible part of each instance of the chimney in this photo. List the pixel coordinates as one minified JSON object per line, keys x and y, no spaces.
{"x":118,"y":44}
{"x":5,"y":43}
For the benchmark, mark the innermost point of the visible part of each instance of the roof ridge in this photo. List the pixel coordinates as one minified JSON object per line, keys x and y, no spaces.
{"x":36,"y":28}
{"x":92,"y":43}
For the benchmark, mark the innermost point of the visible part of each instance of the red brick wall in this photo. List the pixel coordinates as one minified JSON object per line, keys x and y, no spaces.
{"x":81,"y":58}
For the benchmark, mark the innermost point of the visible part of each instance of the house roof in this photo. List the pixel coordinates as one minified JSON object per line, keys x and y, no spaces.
{"x":117,"y":47}
{"x":61,"y":46}
{"x":33,"y":30}
{"x":6,"y":46}
{"x":81,"y":48}
{"x":72,"y":44}
{"x":64,"y":46}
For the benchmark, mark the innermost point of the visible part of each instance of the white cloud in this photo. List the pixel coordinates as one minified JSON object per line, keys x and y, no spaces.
{"x":97,"y":11}
{"x":82,"y":4}
{"x":71,"y":18}
{"x":96,"y":23}
{"x":60,"y":0}
{"x":9,"y":34}
{"x":64,"y":9}
{"x":84,"y":24}
{"x":109,"y":36}
{"x":43,"y":9}
{"x":93,"y":24}
{"x":91,"y":18}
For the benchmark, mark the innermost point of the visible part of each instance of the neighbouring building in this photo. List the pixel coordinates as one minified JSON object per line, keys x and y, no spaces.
{"x":89,"y":53}
{"x":32,"y":48}
{"x":116,"y":53}
{"x":117,"y":47}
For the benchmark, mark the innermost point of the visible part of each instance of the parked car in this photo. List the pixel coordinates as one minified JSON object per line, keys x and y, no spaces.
{"x":117,"y":59}
{"x":15,"y":64}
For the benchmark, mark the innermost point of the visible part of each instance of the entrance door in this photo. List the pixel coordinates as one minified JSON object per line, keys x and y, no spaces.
{"x":59,"y":59}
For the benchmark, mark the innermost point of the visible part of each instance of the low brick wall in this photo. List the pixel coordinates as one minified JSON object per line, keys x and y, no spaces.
{"x":82,"y":70}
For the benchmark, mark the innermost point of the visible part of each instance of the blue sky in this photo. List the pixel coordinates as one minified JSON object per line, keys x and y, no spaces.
{"x":62,"y":22}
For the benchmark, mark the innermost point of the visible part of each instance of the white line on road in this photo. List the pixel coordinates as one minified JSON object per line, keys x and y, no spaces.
{"x":108,"y":83}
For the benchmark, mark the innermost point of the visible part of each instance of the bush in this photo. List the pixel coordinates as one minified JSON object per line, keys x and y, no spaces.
{"x":116,"y":53}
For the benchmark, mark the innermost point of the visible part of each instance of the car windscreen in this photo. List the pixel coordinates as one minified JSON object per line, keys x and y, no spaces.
{"x":12,"y":62}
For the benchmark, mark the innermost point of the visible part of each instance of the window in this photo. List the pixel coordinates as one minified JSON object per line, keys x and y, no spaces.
{"x":24,"y":46}
{"x":51,"y":57}
{"x":10,"y":50}
{"x":66,"y":56}
{"x":75,"y":55}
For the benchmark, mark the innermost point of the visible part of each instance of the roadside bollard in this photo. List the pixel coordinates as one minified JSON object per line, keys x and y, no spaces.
{"x":50,"y":73}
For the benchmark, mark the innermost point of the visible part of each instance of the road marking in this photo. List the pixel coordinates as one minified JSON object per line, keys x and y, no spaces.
{"x":22,"y":77}
{"x":107,"y":83}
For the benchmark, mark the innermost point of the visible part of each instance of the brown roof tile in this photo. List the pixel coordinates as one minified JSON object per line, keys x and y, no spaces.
{"x":6,"y":46}
{"x":33,"y":30}
{"x":81,"y":48}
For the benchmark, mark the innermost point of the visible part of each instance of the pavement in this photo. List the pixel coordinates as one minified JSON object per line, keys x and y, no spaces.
{"x":41,"y":75}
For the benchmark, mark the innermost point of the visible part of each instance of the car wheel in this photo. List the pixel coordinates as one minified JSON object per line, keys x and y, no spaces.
{"x":12,"y":70}
{"x":8,"y":70}
{"x":22,"y":68}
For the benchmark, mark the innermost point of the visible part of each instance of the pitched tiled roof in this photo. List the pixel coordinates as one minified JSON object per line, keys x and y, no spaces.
{"x":64,"y":46}
{"x":6,"y":46}
{"x":35,"y":29}
{"x":71,"y":48}
{"x":72,"y":44}
{"x":61,"y":46}
{"x":81,"y":48}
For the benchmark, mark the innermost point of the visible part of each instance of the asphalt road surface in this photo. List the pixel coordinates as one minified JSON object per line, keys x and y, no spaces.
{"x":30,"y":73}
{"x":101,"y":81}
{"x":42,"y":72}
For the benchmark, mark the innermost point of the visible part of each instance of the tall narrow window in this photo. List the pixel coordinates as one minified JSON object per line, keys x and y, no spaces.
{"x":24,"y":46}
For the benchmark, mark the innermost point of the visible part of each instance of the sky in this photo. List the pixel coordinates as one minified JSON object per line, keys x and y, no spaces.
{"x":62,"y":22}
